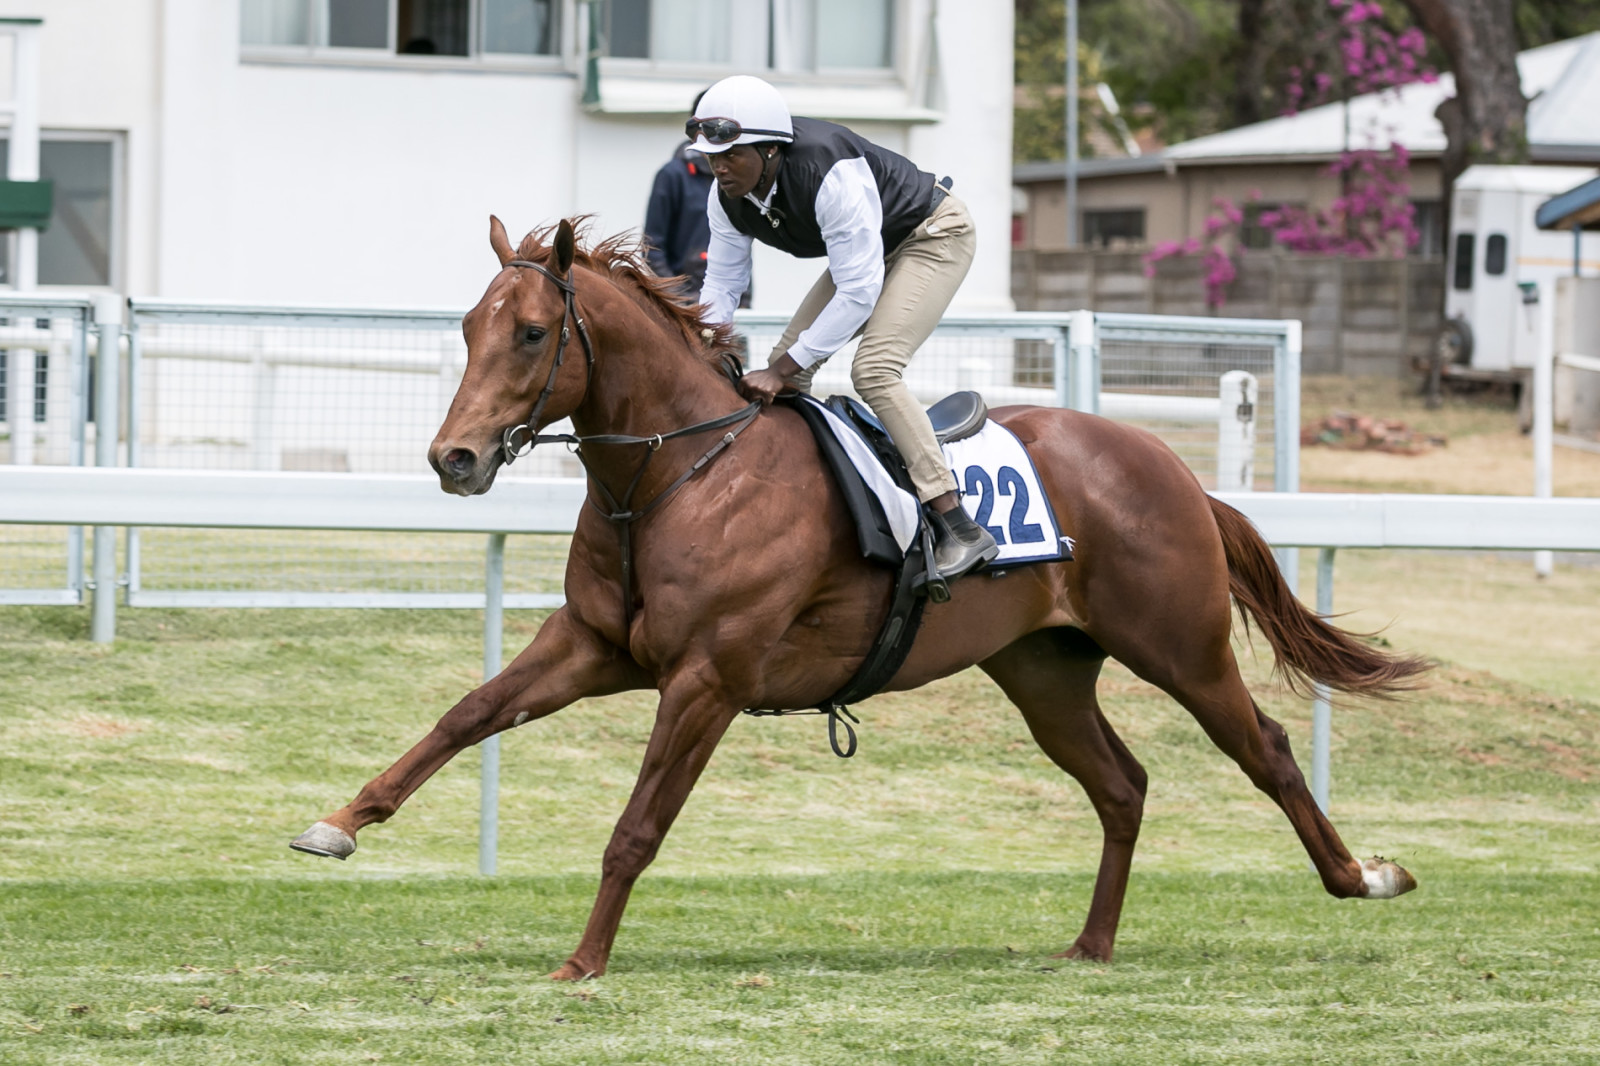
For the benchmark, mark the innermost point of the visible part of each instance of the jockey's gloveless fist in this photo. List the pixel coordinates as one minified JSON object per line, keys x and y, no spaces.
{"x":765,"y":384}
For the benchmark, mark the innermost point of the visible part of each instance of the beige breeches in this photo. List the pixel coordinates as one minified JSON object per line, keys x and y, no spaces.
{"x":920,"y":279}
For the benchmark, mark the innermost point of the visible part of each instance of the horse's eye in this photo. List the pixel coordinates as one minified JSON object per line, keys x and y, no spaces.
{"x":533,"y":335}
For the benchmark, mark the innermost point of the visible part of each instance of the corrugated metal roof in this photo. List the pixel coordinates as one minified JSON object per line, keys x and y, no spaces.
{"x":1580,"y":207}
{"x":1056,"y":169}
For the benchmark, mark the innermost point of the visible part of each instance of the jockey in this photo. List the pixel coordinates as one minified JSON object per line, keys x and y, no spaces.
{"x":897,"y":246}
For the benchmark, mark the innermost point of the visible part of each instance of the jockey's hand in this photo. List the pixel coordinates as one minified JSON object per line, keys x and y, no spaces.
{"x":765,"y":384}
{"x":762,"y":385}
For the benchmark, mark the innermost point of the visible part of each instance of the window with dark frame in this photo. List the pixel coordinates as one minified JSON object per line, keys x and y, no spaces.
{"x":1494,"y":255}
{"x":1255,"y":234}
{"x":797,"y":35}
{"x":404,"y":27}
{"x":1121,"y":226}
{"x":1428,"y":218}
{"x":1461,"y":262}
{"x":77,"y":248}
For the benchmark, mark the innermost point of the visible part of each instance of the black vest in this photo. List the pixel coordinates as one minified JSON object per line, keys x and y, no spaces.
{"x":906,"y":192}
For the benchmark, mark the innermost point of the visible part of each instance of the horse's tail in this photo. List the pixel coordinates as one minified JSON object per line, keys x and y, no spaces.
{"x":1307,"y":648}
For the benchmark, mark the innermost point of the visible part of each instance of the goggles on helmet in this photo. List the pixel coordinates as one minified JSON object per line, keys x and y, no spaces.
{"x":720,"y":131}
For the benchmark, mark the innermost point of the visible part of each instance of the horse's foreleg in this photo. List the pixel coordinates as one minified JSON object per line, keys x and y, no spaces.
{"x":565,"y":662}
{"x":1050,"y":675}
{"x":687,"y":729}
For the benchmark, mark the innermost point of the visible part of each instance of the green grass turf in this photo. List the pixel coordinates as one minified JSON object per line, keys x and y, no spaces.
{"x":903,"y":968}
{"x":901,"y":907}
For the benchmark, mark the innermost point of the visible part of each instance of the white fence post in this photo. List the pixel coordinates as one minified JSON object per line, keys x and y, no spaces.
{"x":1061,"y":365}
{"x":1286,"y":434}
{"x":108,"y":320}
{"x":1321,"y":701}
{"x":22,"y":164}
{"x":1544,"y":563}
{"x":493,"y":636}
{"x":1085,"y":363}
{"x":79,"y":399}
{"x":1236,"y":432}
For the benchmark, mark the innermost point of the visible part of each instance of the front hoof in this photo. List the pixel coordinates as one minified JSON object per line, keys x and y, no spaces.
{"x":328,"y":841}
{"x":1383,"y":879}
{"x":573,"y":971}
{"x":1088,"y":952}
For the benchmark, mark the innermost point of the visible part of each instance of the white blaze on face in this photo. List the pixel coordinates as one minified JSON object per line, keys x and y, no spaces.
{"x":496,"y":306}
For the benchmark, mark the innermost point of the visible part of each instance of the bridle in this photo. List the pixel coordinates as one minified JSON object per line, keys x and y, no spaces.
{"x":621,"y":515}
{"x":508,"y":445}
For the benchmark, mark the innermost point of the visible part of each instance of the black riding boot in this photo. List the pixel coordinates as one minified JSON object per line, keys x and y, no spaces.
{"x":960,"y":544}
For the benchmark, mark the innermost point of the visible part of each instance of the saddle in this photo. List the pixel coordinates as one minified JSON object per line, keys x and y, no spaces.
{"x":955,"y":417}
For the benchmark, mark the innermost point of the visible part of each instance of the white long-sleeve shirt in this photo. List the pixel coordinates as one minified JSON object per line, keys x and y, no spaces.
{"x":849,"y":212}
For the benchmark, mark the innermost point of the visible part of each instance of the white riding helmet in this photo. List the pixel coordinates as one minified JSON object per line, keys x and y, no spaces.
{"x":754,"y":108}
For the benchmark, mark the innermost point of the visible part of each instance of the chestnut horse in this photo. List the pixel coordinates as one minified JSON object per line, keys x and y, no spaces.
{"x":748,"y":588}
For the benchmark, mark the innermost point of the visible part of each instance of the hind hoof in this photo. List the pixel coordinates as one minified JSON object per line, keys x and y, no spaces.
{"x":1384,"y":879}
{"x":328,"y":841}
{"x":572,"y":971}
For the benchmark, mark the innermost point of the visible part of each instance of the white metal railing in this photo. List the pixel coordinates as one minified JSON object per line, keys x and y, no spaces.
{"x":106,"y":498}
{"x":271,"y":345}
{"x":268,"y":351}
{"x":119,"y":496}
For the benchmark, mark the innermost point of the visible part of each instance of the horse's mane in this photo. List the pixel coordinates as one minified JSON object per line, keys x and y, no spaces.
{"x":622,"y":259}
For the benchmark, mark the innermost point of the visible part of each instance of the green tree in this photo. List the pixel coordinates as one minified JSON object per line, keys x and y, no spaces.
{"x":1192,"y":67}
{"x":1157,"y":53}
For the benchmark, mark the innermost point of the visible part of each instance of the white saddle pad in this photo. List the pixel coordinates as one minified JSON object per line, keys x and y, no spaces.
{"x":1001,"y":490}
{"x":898,"y":505}
{"x":1000,"y":487}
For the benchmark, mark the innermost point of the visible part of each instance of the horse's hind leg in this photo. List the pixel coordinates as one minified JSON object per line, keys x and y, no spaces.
{"x":1201,"y":673}
{"x":565,"y":662}
{"x":1050,"y":675}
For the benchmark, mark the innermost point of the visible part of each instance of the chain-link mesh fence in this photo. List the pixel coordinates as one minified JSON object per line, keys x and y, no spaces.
{"x":310,"y":390}
{"x":1145,"y":368}
{"x":44,"y":412}
{"x":364,"y":392}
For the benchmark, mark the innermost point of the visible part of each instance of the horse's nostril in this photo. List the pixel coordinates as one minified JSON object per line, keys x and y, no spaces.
{"x":459,"y":462}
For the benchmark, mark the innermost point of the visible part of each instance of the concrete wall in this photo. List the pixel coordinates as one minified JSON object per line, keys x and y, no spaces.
{"x":372,"y":183}
{"x":1371,"y":316}
{"x":1176,"y":203}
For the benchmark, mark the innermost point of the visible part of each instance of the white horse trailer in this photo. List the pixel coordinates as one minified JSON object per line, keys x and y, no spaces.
{"x":1502,"y":268}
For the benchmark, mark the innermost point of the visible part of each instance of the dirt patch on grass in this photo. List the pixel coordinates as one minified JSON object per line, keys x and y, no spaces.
{"x":1504,"y":725}
{"x":97,"y":727}
{"x":1487,"y":452}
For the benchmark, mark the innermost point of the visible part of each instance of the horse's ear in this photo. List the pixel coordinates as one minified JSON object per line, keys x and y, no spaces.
{"x":566,"y":248}
{"x":500,"y":242}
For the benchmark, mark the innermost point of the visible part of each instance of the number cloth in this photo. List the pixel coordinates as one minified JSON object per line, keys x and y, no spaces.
{"x":1002,"y":493}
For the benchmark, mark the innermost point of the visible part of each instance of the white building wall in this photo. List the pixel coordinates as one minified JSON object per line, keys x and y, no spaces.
{"x":101,"y":73}
{"x":318,"y":183}
{"x":973,"y":142}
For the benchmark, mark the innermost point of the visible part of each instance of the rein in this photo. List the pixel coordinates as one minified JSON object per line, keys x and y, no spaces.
{"x":621,"y":513}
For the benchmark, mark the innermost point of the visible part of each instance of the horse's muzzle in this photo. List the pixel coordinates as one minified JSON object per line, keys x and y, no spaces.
{"x":462,"y":471}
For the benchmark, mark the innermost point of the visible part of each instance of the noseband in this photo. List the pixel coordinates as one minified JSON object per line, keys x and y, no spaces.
{"x":621,"y":513}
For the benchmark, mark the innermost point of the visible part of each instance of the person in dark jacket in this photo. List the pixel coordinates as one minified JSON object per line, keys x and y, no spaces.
{"x":676,"y":233}
{"x":675,"y":229}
